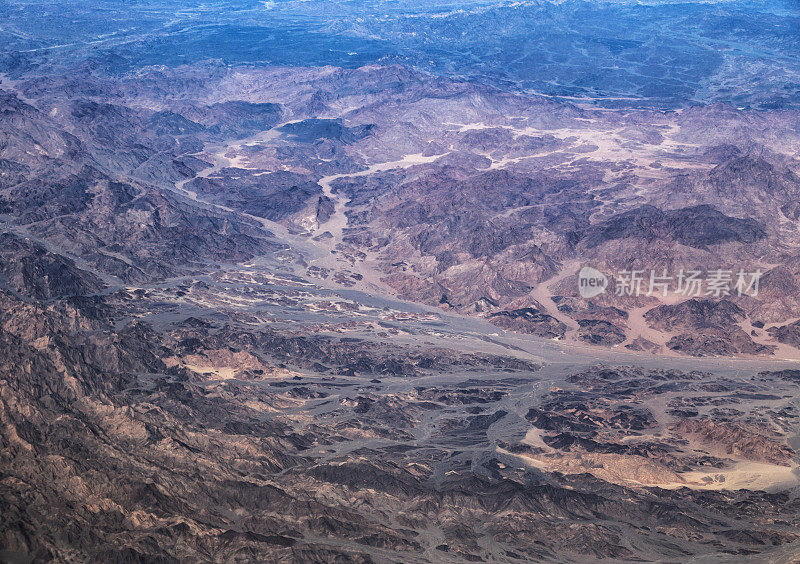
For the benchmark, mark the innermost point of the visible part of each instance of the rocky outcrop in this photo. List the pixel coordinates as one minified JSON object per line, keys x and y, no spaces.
{"x":699,"y":226}
{"x":30,"y":269}
{"x":733,"y":439}
{"x":600,"y":332}
{"x":529,"y":320}
{"x":706,"y":328}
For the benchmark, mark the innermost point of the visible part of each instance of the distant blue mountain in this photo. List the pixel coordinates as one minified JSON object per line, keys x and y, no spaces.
{"x":615,"y":53}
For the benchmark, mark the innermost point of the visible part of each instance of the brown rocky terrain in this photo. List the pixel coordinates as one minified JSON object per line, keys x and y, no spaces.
{"x":553,"y":186}
{"x":307,"y":314}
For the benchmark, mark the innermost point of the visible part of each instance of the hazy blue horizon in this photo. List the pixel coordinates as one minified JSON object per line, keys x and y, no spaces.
{"x":657,"y":53}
